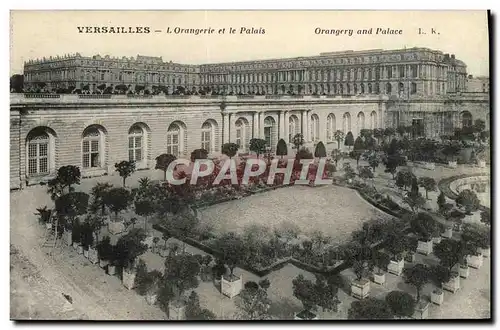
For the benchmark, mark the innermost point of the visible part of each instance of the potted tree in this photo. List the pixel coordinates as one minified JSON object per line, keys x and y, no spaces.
{"x":305,"y":291}
{"x":232,"y":250}
{"x":418,"y":276}
{"x":396,"y":244}
{"x":69,"y":207}
{"x":87,"y":238}
{"x":129,"y":247}
{"x":76,"y":235}
{"x":451,"y":151}
{"x":380,"y":263}
{"x":117,"y":200}
{"x":424,"y":226}
{"x":181,"y":271}
{"x":104,"y":251}
{"x":147,"y":283}
{"x":439,"y":276}
{"x":113,"y":260}
{"x":475,"y":237}
{"x":360,"y":287}
{"x":450,"y":252}
{"x":401,"y":303}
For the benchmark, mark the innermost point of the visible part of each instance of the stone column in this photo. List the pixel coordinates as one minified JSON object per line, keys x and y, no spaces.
{"x":229,"y":127}
{"x":286,"y":120}
{"x":261,"y":125}
{"x":281,"y":123}
{"x":255,"y":130}
{"x":225,"y":133}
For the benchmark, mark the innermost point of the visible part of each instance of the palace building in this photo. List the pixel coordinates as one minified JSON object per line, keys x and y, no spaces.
{"x":228,"y":102}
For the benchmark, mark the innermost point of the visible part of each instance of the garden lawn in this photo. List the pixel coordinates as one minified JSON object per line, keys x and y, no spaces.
{"x":333,"y":210}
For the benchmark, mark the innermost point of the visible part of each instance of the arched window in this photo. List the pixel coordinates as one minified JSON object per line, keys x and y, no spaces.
{"x":174,"y":139}
{"x":346,"y":122}
{"x":38,"y":147}
{"x":314,"y":127}
{"x":241,"y":134}
{"x":93,"y":147}
{"x":373,"y":120}
{"x":136,"y":143}
{"x":370,"y":88}
{"x":207,"y":136}
{"x":331,"y":127}
{"x":466,"y":119}
{"x":269,"y":131}
{"x":361,"y":122}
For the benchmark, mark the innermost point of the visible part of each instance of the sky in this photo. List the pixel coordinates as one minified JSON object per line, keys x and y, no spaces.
{"x":37,"y":34}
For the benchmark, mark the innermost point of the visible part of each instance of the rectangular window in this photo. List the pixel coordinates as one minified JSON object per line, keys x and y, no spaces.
{"x":135,"y":148}
{"x":91,"y":154}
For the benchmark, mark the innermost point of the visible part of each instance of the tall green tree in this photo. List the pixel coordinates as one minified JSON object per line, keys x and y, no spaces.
{"x":68,"y":175}
{"x":358,"y":150}
{"x":428,"y":183}
{"x":125,"y":168}
{"x":258,"y":146}
{"x":418,"y":276}
{"x":349,"y":140}
{"x":468,"y":200}
{"x":162,"y":163}
{"x":230,"y":149}
{"x":320,"y":150}
{"x":98,"y":192}
{"x":281,"y":148}
{"x":117,"y":200}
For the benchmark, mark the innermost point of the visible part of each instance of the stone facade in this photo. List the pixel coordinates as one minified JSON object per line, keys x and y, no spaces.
{"x":96,"y":131}
{"x":403,"y":72}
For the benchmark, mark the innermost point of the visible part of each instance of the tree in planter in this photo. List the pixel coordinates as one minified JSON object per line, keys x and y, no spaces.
{"x":98,"y":193}
{"x":194,"y":310}
{"x":440,"y":275}
{"x":428,"y":183}
{"x":380,"y":261}
{"x":298,"y":141}
{"x":349,"y":140}
{"x":486,"y":217}
{"x":418,"y":276}
{"x":146,"y":281}
{"x":404,"y":179}
{"x":86,"y":235}
{"x":68,"y":175}
{"x":339,"y":136}
{"x":305,"y":291}
{"x":401,"y":303}
{"x":358,"y":149}
{"x":475,"y":236}
{"x":144,"y":208}
{"x":468,"y":200}
{"x":125,"y":168}
{"x":162,"y":163}
{"x":424,"y":226}
{"x":105,"y":249}
{"x":327,"y":288}
{"x":182,"y":272}
{"x":232,"y":250}
{"x":320,"y":150}
{"x":117,"y":200}
{"x":129,"y":247}
{"x":72,"y":205}
{"x":281,"y":148}
{"x":230,"y":149}
{"x":253,"y":302}
{"x":450,"y":252}
{"x":369,"y":309}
